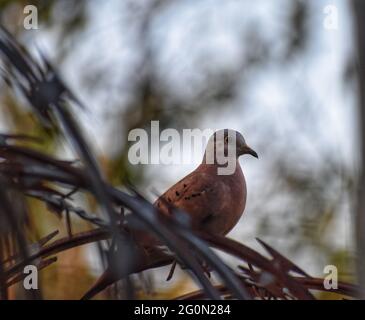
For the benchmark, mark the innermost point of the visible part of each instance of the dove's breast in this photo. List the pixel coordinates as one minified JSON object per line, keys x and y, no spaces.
{"x":213,"y":202}
{"x":229,"y":204}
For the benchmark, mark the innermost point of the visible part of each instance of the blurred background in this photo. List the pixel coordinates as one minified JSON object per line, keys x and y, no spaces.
{"x":281,"y":72}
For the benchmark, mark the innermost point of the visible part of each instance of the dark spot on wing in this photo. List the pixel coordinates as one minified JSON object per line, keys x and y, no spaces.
{"x":193,"y":195}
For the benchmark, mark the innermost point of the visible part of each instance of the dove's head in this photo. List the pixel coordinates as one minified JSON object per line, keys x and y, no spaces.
{"x":227,"y":143}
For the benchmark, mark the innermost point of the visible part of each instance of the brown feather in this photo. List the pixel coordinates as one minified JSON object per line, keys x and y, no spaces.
{"x":214,"y":202}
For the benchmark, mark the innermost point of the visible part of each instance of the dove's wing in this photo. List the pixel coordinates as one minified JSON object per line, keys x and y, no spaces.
{"x":198,"y":194}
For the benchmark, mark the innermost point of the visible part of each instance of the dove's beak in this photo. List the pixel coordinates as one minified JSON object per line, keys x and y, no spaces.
{"x":247,"y":150}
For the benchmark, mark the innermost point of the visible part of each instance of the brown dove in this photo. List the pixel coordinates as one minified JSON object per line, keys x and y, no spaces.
{"x":213,"y":200}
